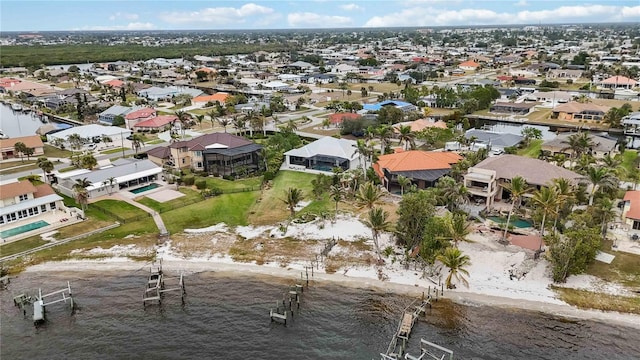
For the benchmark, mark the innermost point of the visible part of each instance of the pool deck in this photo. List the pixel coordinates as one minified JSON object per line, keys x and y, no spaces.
{"x":54,"y":218}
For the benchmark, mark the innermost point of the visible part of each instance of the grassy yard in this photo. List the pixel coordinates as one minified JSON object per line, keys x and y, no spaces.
{"x":113,"y":151}
{"x":226,"y":185}
{"x":67,"y":169}
{"x":624,"y":269}
{"x":12,"y":164}
{"x":15,"y":247}
{"x":533,"y":150}
{"x":16,"y":168}
{"x":270,"y":208}
{"x":120,"y":208}
{"x":154,"y":142}
{"x":590,"y":300}
{"x":190,"y":197}
{"x":628,"y":159}
{"x":232,"y":209}
{"x":52,"y":151}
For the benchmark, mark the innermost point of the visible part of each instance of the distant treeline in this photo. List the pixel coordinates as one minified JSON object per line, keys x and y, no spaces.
{"x":34,"y":56}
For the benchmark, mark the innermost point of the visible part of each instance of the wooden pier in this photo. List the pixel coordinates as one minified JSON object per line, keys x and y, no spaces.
{"x":285,"y":310}
{"x":40,"y":302}
{"x":156,"y":286}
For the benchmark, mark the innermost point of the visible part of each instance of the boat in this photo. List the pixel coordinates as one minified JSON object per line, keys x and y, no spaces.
{"x":16,"y":107}
{"x":3,"y":135}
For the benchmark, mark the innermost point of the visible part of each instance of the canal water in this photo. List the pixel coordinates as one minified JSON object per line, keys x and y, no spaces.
{"x":228,"y":318}
{"x":18,"y":123}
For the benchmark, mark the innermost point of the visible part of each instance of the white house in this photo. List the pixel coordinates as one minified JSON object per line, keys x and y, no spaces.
{"x":90,"y":131}
{"x":324,"y":155}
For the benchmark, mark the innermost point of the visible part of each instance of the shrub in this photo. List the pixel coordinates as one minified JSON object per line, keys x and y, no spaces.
{"x":201,"y":184}
{"x":188,"y":180}
{"x":215,"y":191}
{"x":228,"y":177}
{"x":268,"y":176}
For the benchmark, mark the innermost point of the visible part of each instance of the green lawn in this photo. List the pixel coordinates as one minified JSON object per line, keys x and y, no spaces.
{"x":52,"y":151}
{"x":271,"y":209}
{"x":625,"y":268}
{"x":16,"y":169}
{"x":21,"y":245}
{"x":67,"y":169}
{"x":533,"y":150}
{"x":113,"y":151}
{"x":628,"y":159}
{"x":191,"y":197}
{"x":157,"y":141}
{"x":120,"y":208}
{"x":12,"y":164}
{"x":226,"y":185}
{"x":232,"y":209}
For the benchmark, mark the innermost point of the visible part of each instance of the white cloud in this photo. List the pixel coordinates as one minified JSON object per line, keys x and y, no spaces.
{"x":313,"y":20}
{"x":351,"y":7}
{"x":129,"y":26}
{"x":522,"y":3}
{"x":123,"y":16}
{"x":431,"y":16}
{"x":220,"y":15}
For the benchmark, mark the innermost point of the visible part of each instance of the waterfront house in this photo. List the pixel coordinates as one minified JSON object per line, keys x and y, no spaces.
{"x":492,"y":140}
{"x":324,"y":155}
{"x":483,"y":180}
{"x":22,"y":200}
{"x":618,"y":82}
{"x":575,"y":111}
{"x":156,"y":124}
{"x":125,"y":174}
{"x":512,"y":108}
{"x":602,"y":145}
{"x":89,"y":132}
{"x":402,"y":105}
{"x":631,"y":209}
{"x":202,"y":100}
{"x":215,"y":153}
{"x":8,"y":151}
{"x":107,"y":116}
{"x":423,"y":168}
{"x":631,"y":123}
{"x":469,"y":65}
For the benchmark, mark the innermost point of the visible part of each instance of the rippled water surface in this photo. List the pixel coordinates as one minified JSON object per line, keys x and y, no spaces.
{"x":228,"y":318}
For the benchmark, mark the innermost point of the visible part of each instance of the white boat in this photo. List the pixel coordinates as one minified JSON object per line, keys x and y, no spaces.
{"x":16,"y":107}
{"x":3,"y":135}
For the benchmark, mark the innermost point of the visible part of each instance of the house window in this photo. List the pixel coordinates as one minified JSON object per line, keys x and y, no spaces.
{"x":199,"y":164}
{"x":183,"y":161}
{"x":11,"y":217}
{"x":636,"y":225}
{"x":2,"y":219}
{"x":198,"y":153}
{"x":24,"y":197}
{"x":52,"y":206}
{"x":30,"y":211}
{"x":43,"y":208}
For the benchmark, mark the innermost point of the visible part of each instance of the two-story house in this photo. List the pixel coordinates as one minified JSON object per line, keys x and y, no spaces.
{"x":21,"y":200}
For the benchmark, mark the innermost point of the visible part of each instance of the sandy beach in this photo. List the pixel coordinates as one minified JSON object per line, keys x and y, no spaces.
{"x":499,"y":275}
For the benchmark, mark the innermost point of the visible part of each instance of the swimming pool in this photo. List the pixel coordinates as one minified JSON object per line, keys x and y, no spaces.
{"x":145,"y":188}
{"x":22,"y":229}
{"x":519,"y":223}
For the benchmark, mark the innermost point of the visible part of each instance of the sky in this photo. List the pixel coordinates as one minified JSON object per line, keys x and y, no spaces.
{"x":79,"y":15}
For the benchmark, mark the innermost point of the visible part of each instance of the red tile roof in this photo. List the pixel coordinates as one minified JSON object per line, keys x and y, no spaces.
{"x":633,"y":197}
{"x":221,"y":97}
{"x":33,"y":141}
{"x":469,"y":63}
{"x":416,"y":160}
{"x":156,"y":122}
{"x":337,"y":118}
{"x":619,"y":80}
{"x":11,"y":190}
{"x":140,"y":114}
{"x":43,"y":190}
{"x":115,"y":83}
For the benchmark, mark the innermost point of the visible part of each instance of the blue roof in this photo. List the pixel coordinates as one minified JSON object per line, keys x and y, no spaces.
{"x":378,"y":106}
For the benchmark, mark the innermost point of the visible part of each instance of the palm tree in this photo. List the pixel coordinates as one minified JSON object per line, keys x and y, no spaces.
{"x":377,"y":221}
{"x":238,"y":124}
{"x":517,"y":187}
{"x":362,"y":150}
{"x":601,"y":178}
{"x":199,"y":119}
{"x":20,"y":148}
{"x":579,"y":143}
{"x":565,"y":191}
{"x":384,"y":133}
{"x":82,"y":195}
{"x":136,"y":142}
{"x":605,"y":212}
{"x":212,"y":114}
{"x":403,"y":181}
{"x":183,"y":117}
{"x":112,"y":181}
{"x":459,"y":228}
{"x":456,"y":261}
{"x":293,"y":196}
{"x":46,"y":165}
{"x":451,"y":192}
{"x":546,"y":198}
{"x":368,"y":195}
{"x":75,"y":140}
{"x":406,"y":136}
{"x":336,"y":195}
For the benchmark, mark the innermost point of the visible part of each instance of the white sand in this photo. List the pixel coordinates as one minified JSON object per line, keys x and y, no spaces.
{"x":489,"y":280}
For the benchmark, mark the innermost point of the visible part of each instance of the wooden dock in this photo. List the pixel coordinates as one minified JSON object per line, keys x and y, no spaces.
{"x":157,"y":286}
{"x":285,"y":310}
{"x":398,"y":343}
{"x":40,"y":302}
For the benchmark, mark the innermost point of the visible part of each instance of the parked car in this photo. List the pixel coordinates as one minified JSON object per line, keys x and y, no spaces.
{"x":92,"y":146}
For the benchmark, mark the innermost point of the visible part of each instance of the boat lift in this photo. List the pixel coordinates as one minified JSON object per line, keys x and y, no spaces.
{"x":156,"y":288}
{"x":40,"y":302}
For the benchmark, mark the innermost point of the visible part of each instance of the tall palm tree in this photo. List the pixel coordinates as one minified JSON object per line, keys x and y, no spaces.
{"x":239,"y":124}
{"x":565,"y":191}
{"x":336,"y":195}
{"x":517,"y":187}
{"x":200,"y":119}
{"x":45,"y":165}
{"x":362,"y":150}
{"x":136,"y":141}
{"x":384,"y":133}
{"x":579,"y":143}
{"x":459,"y":228}
{"x":112,"y":182}
{"x":368,"y":195}
{"x":604,"y":212}
{"x":451,"y":192}
{"x":546,"y":198}
{"x":213,"y":115}
{"x":80,"y":189}
{"x":457,"y":262}
{"x":377,"y":221}
{"x":407,"y":136}
{"x":404,"y":182}
{"x":293,"y":196}
{"x":601,"y":178}
{"x":183,"y":117}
